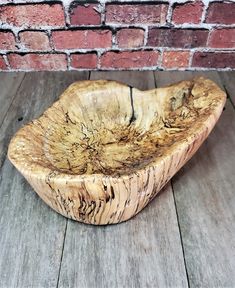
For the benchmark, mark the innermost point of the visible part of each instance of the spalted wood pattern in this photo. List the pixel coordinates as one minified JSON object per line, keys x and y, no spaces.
{"x":142,"y":252}
{"x":104,"y":150}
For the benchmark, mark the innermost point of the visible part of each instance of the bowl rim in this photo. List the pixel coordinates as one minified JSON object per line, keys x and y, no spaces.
{"x":42,"y":173}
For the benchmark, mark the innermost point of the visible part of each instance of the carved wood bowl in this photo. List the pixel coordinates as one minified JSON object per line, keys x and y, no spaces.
{"x":102,"y":151}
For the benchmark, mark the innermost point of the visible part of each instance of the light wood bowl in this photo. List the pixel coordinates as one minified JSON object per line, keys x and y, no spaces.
{"x":103,"y":150}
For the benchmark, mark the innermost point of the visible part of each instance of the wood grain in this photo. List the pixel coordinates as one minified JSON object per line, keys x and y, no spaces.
{"x":206,"y":208}
{"x":143,"y":252}
{"x":42,"y":84}
{"x":9,"y":83}
{"x":31,"y":237}
{"x":204,"y":197}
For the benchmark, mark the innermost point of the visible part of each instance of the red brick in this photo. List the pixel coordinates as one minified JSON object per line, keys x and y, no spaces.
{"x":82,"y":39}
{"x":135,"y":59}
{"x":189,"y":12}
{"x":222,"y":38}
{"x":222,"y":13}
{"x":132,"y":14}
{"x":214,"y":60}
{"x":130,"y":38}
{"x":2,"y":64}
{"x":7,"y":41}
{"x":85,"y":15}
{"x":38,"y":61}
{"x":175,"y":59}
{"x":35,"y":40}
{"x":179,"y":38}
{"x":86,"y":61}
{"x":33,"y":16}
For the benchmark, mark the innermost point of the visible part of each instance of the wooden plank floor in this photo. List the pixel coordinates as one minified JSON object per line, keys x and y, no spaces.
{"x":184,"y":238}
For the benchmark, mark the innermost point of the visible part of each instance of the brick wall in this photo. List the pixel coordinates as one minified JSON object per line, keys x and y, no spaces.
{"x":104,"y":34}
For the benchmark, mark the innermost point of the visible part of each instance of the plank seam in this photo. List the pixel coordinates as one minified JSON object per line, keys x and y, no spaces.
{"x":155,"y":80}
{"x":177,"y":217}
{"x":62,"y":253}
{"x":181,"y":238}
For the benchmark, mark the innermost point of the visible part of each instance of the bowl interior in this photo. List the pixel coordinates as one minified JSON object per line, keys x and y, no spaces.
{"x":116,"y":129}
{"x":104,"y":127}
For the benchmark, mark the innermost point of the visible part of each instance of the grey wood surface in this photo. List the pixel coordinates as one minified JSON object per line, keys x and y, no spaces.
{"x":191,"y":222}
{"x":31,"y":234}
{"x":9,"y":83}
{"x":204,"y":195}
{"x":228,"y":79}
{"x":142,"y":80}
{"x":142,"y":252}
{"x":165,"y":78}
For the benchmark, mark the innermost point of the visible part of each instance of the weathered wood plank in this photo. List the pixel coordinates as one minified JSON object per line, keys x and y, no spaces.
{"x":9,"y":83}
{"x":228,"y":79}
{"x":32,"y":234}
{"x":165,"y":78}
{"x":204,"y":190}
{"x":128,"y":77}
{"x":142,"y":252}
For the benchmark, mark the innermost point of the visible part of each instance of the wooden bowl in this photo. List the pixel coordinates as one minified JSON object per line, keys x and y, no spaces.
{"x":102,"y":151}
